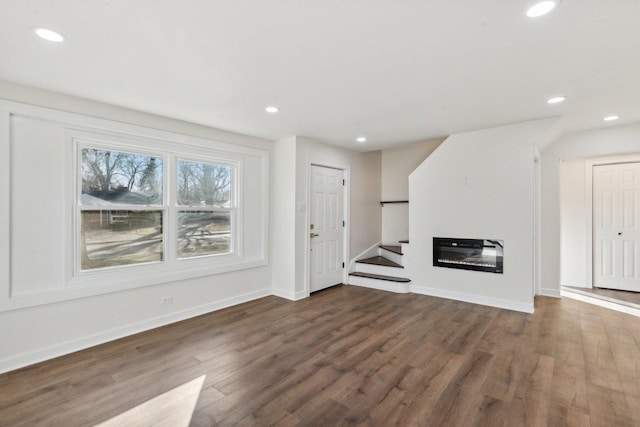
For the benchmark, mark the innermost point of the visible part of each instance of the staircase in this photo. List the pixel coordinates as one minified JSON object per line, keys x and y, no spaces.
{"x":385,"y":271}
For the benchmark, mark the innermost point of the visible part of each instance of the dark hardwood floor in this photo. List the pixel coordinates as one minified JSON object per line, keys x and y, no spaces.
{"x":354,"y":356}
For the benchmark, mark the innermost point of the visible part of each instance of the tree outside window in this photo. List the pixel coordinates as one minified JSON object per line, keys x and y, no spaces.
{"x":121,"y":212}
{"x":123,"y":206}
{"x":204,"y":209}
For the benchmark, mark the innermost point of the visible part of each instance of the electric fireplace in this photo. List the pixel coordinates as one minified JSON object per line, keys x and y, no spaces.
{"x":468,"y":254}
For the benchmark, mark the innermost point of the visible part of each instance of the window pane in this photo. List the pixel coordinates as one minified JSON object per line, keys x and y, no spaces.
{"x":204,"y":184}
{"x":116,"y":178}
{"x":119,"y":237}
{"x":203,"y":233}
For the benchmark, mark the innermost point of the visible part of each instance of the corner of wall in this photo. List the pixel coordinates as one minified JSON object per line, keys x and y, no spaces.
{"x":546,"y":292}
{"x":283,"y":210}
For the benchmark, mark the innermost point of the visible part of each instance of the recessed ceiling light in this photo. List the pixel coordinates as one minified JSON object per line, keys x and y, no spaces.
{"x":611,"y":118}
{"x":556,"y":100}
{"x":541,"y":8}
{"x":272,"y":109}
{"x":361,"y":139}
{"x":48,"y":34}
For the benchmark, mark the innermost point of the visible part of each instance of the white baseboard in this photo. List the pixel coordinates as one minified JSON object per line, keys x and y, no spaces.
{"x":475,"y":299}
{"x":291,"y":296}
{"x":546,"y":292}
{"x":25,"y":359}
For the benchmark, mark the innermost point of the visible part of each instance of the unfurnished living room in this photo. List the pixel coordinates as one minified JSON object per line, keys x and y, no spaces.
{"x":319,"y":213}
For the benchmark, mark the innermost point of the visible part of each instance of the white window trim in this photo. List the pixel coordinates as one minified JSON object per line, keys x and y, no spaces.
{"x":171,"y":265}
{"x":5,"y":207}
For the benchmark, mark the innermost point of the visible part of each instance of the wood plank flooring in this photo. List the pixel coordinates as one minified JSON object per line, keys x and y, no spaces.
{"x":351,"y":356}
{"x":632,"y":298}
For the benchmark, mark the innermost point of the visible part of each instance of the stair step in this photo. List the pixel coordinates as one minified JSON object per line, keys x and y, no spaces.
{"x":403,"y":241}
{"x":379,"y":260}
{"x":392,"y":248}
{"x":381,"y":277}
{"x":390,"y":252}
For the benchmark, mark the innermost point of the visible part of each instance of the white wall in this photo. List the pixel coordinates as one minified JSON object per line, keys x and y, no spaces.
{"x":478,"y":185}
{"x":604,"y":142}
{"x":283,"y":216}
{"x":35,"y":333}
{"x":397,"y":165}
{"x":364,"y":222}
{"x":38,"y":333}
{"x":573,"y":222}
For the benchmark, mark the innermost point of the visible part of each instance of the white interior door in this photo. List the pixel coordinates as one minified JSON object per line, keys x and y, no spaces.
{"x":326,"y":227}
{"x":616,"y":226}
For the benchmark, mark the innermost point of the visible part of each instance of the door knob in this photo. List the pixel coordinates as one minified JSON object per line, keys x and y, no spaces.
{"x":314,"y":235}
{"x":620,"y":234}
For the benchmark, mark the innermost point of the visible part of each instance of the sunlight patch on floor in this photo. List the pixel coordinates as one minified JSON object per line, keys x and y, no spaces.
{"x":173,"y":408}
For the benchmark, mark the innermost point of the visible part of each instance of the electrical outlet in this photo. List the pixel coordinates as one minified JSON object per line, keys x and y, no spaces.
{"x":166,"y":300}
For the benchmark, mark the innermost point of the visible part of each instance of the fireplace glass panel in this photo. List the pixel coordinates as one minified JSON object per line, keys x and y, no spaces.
{"x":468,"y":254}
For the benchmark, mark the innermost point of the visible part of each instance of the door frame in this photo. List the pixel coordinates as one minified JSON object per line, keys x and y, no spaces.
{"x":346,"y":169}
{"x":588,"y":188}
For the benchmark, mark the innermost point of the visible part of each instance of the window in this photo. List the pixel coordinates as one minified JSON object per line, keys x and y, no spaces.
{"x":121,"y":208}
{"x":131,"y":208}
{"x":204,"y":215}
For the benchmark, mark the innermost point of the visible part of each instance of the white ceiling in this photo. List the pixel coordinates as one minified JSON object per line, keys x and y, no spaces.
{"x":394,"y":71}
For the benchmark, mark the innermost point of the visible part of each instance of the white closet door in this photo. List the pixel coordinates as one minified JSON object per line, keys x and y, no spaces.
{"x":616,"y":226}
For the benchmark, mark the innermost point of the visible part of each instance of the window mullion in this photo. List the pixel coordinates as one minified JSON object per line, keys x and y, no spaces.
{"x":170,"y":206}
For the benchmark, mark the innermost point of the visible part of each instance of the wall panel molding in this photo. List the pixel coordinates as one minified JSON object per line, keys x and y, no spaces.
{"x":37,"y":176}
